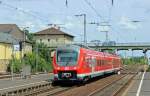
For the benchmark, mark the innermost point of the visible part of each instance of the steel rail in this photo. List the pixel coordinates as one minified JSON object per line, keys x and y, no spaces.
{"x":56,"y":91}
{"x":110,"y":84}
{"x":123,"y":86}
{"x":107,"y":85}
{"x":25,"y":90}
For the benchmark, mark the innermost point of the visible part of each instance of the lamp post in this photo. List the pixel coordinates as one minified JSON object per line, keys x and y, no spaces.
{"x":22,"y":53}
{"x":104,"y":25}
{"x":12,"y":66}
{"x":24,"y":37}
{"x":135,"y":22}
{"x":84,"y":16}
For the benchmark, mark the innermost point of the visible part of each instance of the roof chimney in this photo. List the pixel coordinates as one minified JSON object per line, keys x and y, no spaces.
{"x":58,"y":28}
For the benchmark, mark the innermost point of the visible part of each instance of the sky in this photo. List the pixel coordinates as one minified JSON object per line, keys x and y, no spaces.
{"x":37,"y":14}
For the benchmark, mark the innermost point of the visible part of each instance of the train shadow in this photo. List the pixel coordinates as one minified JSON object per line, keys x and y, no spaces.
{"x":67,"y":83}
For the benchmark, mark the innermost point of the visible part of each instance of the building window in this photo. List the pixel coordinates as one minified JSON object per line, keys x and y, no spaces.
{"x":48,"y":40}
{"x":40,"y":40}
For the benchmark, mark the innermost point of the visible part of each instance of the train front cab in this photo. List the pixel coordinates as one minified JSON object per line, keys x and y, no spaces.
{"x":66,"y":64}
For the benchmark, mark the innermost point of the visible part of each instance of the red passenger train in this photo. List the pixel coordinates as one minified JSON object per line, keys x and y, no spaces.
{"x":72,"y":62}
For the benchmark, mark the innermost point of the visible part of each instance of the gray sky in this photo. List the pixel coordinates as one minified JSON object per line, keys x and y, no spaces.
{"x":37,"y":14}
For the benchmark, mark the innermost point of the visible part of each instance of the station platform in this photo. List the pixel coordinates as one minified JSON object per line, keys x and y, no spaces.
{"x":140,"y":86}
{"x":8,"y":83}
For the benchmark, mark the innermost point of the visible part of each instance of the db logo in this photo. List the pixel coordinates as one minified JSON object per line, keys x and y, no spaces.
{"x":66,"y":68}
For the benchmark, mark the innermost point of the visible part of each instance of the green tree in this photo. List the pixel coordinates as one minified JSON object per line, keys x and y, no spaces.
{"x":29,"y":35}
{"x":41,"y":66}
{"x":16,"y":64}
{"x":39,"y":60}
{"x":135,"y":60}
{"x":42,"y":55}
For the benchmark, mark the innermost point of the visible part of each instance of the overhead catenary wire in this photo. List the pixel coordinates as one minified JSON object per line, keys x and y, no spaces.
{"x":23,"y":11}
{"x":118,"y":34}
{"x":35,"y":14}
{"x":109,"y":15}
{"x":109,"y":10}
{"x":91,"y":6}
{"x":66,"y":3}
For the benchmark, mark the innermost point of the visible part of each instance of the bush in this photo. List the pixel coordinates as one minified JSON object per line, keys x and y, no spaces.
{"x":39,"y":60}
{"x":135,"y":60}
{"x":16,"y":64}
{"x":37,"y":63}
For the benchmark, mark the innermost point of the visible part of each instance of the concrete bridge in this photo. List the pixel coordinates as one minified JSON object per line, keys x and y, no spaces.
{"x":121,"y":46}
{"x":145,"y":46}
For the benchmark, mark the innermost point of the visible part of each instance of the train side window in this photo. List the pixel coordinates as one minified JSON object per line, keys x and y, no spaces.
{"x":105,"y":62}
{"x":92,"y":61}
{"x":113,"y":61}
{"x":98,"y":61}
{"x":87,"y":60}
{"x":102,"y":62}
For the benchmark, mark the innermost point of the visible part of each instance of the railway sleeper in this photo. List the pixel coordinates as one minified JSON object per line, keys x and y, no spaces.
{"x":37,"y":91}
{"x":26,"y":90}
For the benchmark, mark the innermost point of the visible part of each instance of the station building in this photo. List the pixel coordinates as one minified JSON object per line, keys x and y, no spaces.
{"x":11,"y":36}
{"x":53,"y":37}
{"x":18,"y":34}
{"x":6,"y":49}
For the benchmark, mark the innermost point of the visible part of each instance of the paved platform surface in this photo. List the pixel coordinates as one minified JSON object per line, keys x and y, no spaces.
{"x":9,"y":84}
{"x":144,"y":90}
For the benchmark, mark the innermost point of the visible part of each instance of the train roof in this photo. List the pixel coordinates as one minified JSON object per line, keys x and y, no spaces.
{"x":73,"y":46}
{"x":68,"y":46}
{"x":77,"y":47}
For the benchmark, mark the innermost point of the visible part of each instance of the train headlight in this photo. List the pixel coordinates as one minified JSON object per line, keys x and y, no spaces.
{"x":58,"y":68}
{"x":75,"y":68}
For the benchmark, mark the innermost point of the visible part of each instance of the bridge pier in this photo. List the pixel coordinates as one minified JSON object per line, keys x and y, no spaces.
{"x":145,"y":55}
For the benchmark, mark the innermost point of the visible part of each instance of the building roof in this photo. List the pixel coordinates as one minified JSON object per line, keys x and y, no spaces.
{"x":7,"y":38}
{"x":52,"y":31}
{"x":12,"y":29}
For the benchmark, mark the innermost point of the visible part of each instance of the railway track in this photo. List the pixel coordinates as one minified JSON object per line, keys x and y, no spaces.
{"x":119,"y":90}
{"x":86,"y":89}
{"x":4,"y":76}
{"x":8,"y":76}
{"x":55,"y":91}
{"x":26,"y":90}
{"x":40,"y":89}
{"x":46,"y":89}
{"x":113,"y":88}
{"x":107,"y":86}
{"x":103,"y":86}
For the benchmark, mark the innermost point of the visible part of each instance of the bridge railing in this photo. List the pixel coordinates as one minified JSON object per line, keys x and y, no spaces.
{"x":117,"y":44}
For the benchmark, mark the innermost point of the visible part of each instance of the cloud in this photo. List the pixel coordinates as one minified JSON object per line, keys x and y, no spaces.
{"x":69,"y":25}
{"x":103,"y":28}
{"x":126,"y":23}
{"x":29,"y":24}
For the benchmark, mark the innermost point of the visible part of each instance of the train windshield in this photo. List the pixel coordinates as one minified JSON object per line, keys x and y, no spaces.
{"x":67,"y":57}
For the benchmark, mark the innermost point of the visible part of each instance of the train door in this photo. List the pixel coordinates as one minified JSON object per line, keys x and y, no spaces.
{"x":93,"y":64}
{"x":112,"y":63}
